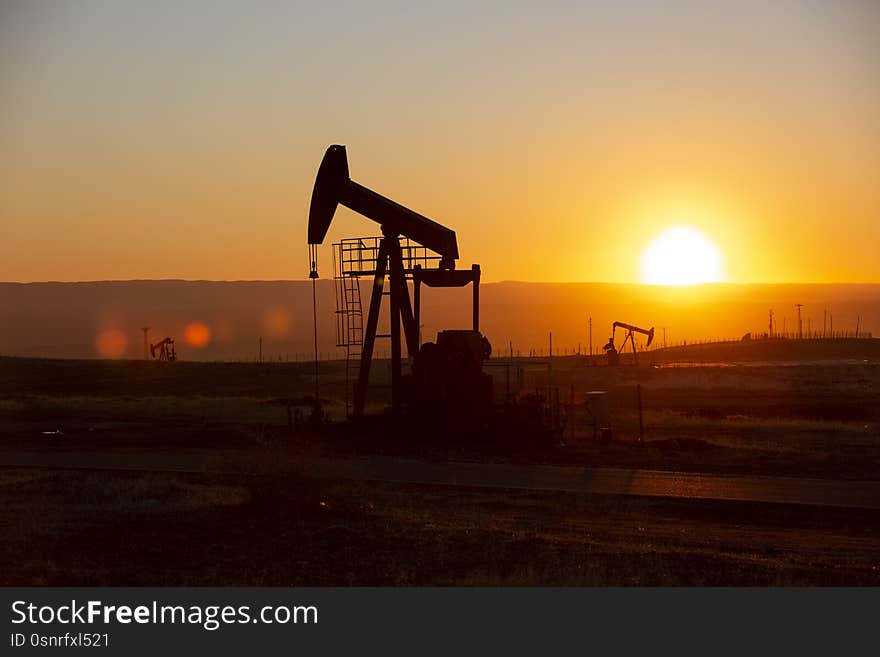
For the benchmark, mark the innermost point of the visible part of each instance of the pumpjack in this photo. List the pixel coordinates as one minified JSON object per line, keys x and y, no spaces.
{"x":611,"y":350}
{"x":164,"y":350}
{"x":446,"y":376}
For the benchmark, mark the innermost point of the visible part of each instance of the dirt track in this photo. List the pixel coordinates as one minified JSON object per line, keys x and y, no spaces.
{"x":601,"y":481}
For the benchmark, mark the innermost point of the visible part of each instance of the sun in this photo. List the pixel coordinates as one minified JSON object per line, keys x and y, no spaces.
{"x":682,"y":255}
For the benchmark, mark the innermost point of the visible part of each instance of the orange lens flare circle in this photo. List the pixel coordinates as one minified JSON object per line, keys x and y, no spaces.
{"x":197,"y":335}
{"x":111,"y":343}
{"x":277,"y":323}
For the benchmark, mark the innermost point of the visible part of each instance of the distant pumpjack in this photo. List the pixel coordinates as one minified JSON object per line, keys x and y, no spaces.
{"x":164,"y":351}
{"x":611,"y":350}
{"x":439,"y":370}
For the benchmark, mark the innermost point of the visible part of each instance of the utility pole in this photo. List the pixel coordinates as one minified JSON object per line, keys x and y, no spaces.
{"x":858,"y":322}
{"x":664,"y":337}
{"x":146,"y":330}
{"x":771,"y":322}
{"x":800,"y":325}
{"x":831,"y":323}
{"x":591,"y":336}
{"x":824,"y":321}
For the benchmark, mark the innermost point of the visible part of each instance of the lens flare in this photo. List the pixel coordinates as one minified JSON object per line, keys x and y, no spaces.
{"x":111,"y":343}
{"x":277,"y":323}
{"x":197,"y":335}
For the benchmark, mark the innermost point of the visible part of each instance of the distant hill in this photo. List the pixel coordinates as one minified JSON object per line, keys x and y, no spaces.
{"x":76,"y":320}
{"x":773,"y":350}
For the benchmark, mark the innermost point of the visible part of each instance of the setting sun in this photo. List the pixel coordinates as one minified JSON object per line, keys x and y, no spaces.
{"x":681,"y":256}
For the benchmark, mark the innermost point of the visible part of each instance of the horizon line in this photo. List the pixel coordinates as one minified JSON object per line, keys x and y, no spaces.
{"x":503,"y":281}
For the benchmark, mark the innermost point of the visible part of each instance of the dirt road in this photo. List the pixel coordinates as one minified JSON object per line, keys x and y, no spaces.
{"x":600,"y":481}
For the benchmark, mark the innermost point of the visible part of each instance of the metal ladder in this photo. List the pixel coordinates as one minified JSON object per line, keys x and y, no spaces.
{"x":353,"y":259}
{"x":350,"y":258}
{"x":353,"y":333}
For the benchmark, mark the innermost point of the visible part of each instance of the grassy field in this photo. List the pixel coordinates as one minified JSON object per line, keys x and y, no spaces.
{"x":811,"y":420}
{"x":67,"y":527}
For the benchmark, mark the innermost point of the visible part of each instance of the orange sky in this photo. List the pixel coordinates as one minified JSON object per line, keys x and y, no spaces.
{"x":145,"y":140}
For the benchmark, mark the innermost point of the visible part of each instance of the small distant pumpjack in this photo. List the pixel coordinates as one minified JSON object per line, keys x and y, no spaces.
{"x":611,"y":351}
{"x":164,"y":351}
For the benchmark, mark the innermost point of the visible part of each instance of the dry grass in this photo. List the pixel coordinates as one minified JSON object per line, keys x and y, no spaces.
{"x":80,"y":528}
{"x":261,"y":524}
{"x":741,"y":431}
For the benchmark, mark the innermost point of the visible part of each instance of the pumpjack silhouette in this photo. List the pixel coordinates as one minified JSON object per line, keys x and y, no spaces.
{"x":447,"y":375}
{"x":611,"y":351}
